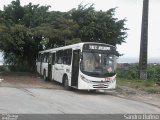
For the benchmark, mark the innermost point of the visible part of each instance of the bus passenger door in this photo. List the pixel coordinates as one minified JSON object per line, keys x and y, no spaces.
{"x":58,"y":67}
{"x":50,"y":67}
{"x":53,"y":66}
{"x":75,"y":68}
{"x":41,"y":60}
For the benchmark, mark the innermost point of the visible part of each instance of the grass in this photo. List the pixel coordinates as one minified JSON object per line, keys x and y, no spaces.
{"x":149,"y":86}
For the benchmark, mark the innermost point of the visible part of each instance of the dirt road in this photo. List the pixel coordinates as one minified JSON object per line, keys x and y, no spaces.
{"x":27,"y":80}
{"x":33,"y":81}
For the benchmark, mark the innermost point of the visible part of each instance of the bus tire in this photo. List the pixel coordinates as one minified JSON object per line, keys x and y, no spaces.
{"x":44,"y":75}
{"x":66,"y":85}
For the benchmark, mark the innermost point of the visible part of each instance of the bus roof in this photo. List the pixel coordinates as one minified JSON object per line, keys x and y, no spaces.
{"x":71,"y":46}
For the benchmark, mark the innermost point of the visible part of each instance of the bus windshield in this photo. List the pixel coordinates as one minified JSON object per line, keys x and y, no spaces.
{"x":98,"y":64}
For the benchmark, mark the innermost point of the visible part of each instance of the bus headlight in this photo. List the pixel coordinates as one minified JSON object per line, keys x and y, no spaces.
{"x":84,"y":79}
{"x":113,"y":80}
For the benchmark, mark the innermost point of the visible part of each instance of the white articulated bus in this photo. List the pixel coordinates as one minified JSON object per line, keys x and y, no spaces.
{"x":85,"y":66}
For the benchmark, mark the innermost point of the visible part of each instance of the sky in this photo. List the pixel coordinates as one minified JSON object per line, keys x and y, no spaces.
{"x":129,"y":9}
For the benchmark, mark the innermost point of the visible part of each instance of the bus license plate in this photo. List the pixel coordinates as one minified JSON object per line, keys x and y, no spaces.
{"x":101,"y":85}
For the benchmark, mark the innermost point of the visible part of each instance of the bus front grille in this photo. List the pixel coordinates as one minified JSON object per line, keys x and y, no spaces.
{"x":100,"y":86}
{"x":101,"y":81}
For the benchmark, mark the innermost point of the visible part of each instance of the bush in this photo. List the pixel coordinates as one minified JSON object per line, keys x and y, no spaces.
{"x":23,"y":67}
{"x":131,"y":72}
{"x":154,"y":72}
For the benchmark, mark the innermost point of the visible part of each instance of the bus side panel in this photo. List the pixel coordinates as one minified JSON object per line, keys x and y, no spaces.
{"x":53,"y":55}
{"x":44,"y":68}
{"x":75,"y":68}
{"x":58,"y":72}
{"x":38,"y":66}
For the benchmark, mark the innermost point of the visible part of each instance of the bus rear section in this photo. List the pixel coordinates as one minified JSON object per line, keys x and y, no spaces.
{"x":42,"y":64}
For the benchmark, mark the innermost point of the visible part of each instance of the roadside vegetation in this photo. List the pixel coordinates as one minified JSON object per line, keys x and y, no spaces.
{"x":26,"y":30}
{"x":128,"y":76}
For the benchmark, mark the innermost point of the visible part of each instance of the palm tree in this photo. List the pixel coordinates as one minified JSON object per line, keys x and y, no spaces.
{"x":144,"y":42}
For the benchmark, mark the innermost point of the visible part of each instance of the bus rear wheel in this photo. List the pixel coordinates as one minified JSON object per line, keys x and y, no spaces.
{"x":66,"y":85}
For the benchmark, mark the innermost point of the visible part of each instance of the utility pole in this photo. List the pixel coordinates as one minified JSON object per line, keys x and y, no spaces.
{"x":144,"y":42}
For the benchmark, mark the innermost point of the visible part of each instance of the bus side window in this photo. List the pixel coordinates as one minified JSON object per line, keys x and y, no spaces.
{"x":42,"y":57}
{"x":53,"y":58}
{"x":47,"y":57}
{"x":39,"y":58}
{"x":67,"y":56}
{"x":50,"y":58}
{"x":59,"y":57}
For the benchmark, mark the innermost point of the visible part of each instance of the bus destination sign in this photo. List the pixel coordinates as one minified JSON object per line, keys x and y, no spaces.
{"x":96,"y":47}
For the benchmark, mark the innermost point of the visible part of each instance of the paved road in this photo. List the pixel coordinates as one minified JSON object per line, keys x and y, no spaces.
{"x":51,"y":101}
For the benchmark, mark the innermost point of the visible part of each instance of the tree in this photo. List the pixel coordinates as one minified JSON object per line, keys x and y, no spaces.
{"x":99,"y":26}
{"x":14,"y":12}
{"x":18,"y":39}
{"x":25,"y":30}
{"x":35,"y":15}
